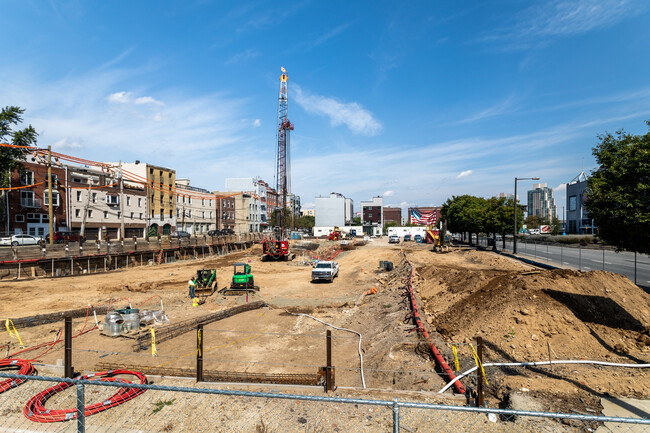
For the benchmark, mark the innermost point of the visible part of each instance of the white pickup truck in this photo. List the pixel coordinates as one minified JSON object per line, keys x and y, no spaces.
{"x":325,"y":271}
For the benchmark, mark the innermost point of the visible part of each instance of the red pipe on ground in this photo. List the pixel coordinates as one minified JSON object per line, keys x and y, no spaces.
{"x":422,"y":330}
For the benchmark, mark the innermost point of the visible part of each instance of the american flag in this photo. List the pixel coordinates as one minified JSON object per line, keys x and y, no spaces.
{"x":423,"y":217}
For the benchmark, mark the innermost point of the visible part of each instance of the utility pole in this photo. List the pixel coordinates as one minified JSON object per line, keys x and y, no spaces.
{"x":121,"y":204}
{"x":83,"y":220}
{"x":50,"y":210}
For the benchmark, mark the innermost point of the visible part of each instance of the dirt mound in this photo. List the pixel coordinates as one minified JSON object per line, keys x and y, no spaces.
{"x":524,"y":314}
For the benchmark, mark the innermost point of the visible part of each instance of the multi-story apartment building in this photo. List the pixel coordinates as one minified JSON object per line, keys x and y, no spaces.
{"x":256,"y":189}
{"x":243,"y":213}
{"x":330,"y":211}
{"x":295,"y":204}
{"x":96,"y":203}
{"x":196,"y":208}
{"x":160,"y":187}
{"x":577,"y":215}
{"x":372,"y":215}
{"x":541,"y":202}
{"x":28,"y":206}
{"x":225,"y":209}
{"x":393,"y":214}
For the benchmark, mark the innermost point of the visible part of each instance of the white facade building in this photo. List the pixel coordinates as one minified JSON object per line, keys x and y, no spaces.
{"x":330,"y":211}
{"x":195,"y":214}
{"x":256,"y":188}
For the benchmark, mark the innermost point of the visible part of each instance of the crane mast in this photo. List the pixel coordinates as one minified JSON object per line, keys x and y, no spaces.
{"x":283,"y":163}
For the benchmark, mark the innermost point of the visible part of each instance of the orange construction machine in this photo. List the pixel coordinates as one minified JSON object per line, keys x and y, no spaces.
{"x":335,"y":235}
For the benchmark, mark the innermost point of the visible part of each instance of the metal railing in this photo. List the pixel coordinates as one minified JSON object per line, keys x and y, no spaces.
{"x":34,"y":202}
{"x":30,"y":407}
{"x":581,"y":257}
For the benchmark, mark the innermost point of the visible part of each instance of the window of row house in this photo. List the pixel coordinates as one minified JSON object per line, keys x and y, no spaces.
{"x":139,"y":202}
{"x":128,"y":200}
{"x":55,"y":198}
{"x":27,"y":199}
{"x":20,"y":218}
{"x":94,"y":197}
{"x":77,"y":213}
{"x":105,"y":214}
{"x":27,"y":178}
{"x":78,"y":195}
{"x":90,"y":213}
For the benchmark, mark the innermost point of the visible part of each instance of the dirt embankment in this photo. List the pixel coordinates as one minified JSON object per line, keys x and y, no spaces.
{"x":528,"y":314}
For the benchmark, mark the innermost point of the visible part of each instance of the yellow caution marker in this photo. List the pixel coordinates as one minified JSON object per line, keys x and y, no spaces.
{"x":153,"y":342}
{"x":455,"y":350}
{"x":478,"y":362}
{"x":13,"y":334}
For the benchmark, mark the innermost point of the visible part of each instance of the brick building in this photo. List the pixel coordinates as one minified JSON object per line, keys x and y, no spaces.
{"x":28,"y":207}
{"x":393,"y":214}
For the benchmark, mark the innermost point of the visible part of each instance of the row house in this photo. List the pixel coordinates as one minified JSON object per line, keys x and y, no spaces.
{"x":256,"y":189}
{"x":28,"y":205}
{"x":195,"y":213}
{"x":98,"y":207}
{"x":225,"y":209}
{"x":244,"y":213}
{"x":160,"y":188}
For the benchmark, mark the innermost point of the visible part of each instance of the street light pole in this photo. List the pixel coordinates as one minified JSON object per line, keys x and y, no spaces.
{"x":514,"y":238}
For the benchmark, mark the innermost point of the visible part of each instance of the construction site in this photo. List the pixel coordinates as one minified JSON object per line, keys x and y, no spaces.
{"x":431,"y":322}
{"x":523,"y":314}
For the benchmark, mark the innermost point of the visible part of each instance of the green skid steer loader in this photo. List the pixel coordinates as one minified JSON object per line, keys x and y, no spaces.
{"x":242,"y":281}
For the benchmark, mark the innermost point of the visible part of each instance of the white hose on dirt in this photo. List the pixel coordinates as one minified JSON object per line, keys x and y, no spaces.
{"x":363,"y":380}
{"x":534,"y":364}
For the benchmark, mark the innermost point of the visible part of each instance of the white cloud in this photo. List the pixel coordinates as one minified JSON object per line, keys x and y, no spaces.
{"x":148,"y":100}
{"x":94,"y":118}
{"x":257,"y":123}
{"x":351,"y":114}
{"x":388,"y":193}
{"x":464,"y":174}
{"x":537,"y":23}
{"x":119,"y":97}
{"x":66,"y":143}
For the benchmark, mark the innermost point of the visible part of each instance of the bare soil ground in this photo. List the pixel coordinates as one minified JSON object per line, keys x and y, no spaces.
{"x":522,"y":313}
{"x":527,"y":314}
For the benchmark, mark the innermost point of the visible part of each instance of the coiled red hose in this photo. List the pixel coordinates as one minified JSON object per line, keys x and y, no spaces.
{"x":25,"y":368}
{"x":35,"y":408}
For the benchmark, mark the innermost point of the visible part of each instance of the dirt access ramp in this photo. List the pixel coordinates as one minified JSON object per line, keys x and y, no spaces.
{"x":528,"y":314}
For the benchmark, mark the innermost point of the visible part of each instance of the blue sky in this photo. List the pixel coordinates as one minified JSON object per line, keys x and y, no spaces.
{"x":414,"y":101}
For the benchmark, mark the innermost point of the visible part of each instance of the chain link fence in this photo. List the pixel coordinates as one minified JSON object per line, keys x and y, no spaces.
{"x":115,"y":405}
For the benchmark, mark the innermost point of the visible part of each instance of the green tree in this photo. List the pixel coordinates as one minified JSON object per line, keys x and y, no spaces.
{"x":465,"y":214}
{"x":356,"y":221}
{"x":499,"y":217}
{"x":534,"y":221}
{"x":10,"y":157}
{"x":618,"y":194}
{"x":556,"y":226}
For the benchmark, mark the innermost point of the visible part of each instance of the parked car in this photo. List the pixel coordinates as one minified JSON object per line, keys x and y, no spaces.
{"x":418,"y":239}
{"x":326,"y":271}
{"x":20,"y":239}
{"x":407,"y":238}
{"x":179,"y":234}
{"x":213,"y":232}
{"x":61,"y":237}
{"x":393,"y":239}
